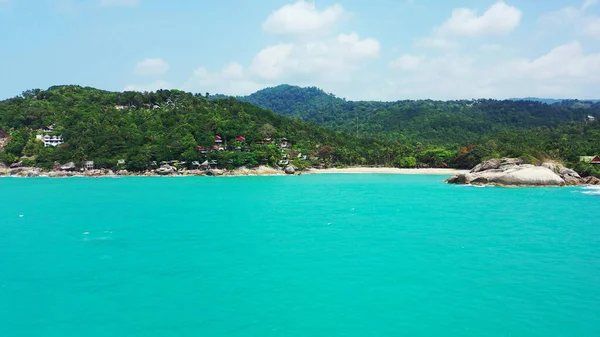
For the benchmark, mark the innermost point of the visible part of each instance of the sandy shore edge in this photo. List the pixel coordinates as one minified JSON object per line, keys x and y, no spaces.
{"x":260,"y":171}
{"x":389,"y":170}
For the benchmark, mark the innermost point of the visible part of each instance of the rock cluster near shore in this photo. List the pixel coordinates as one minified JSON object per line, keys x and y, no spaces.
{"x":165,"y":170}
{"x":513,"y":172}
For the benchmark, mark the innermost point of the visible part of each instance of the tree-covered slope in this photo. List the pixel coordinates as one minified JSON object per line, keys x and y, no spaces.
{"x":142,"y":127}
{"x":437,"y":122}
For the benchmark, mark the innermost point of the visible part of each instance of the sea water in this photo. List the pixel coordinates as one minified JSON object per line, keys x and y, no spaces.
{"x":312,"y":255}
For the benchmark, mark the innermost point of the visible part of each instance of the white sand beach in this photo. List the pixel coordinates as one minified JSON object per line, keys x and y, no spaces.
{"x":389,"y":170}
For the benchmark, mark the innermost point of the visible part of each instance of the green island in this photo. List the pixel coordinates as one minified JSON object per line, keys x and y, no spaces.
{"x":286,"y":126}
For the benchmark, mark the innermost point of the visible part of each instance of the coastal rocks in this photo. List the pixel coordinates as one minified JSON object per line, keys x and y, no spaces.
{"x":57,"y":174}
{"x":265,"y":170}
{"x":165,"y":170}
{"x":215,"y":172}
{"x":512,"y":172}
{"x":290,"y":170}
{"x":25,"y":172}
{"x":122,"y":173}
{"x":530,"y":176}
{"x":68,"y":167}
{"x":590,"y":181}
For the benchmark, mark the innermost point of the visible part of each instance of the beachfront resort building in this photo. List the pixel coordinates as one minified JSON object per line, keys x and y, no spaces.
{"x":594,"y":160}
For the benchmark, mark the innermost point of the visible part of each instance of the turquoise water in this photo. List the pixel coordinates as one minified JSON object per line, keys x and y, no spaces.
{"x":319,"y":255}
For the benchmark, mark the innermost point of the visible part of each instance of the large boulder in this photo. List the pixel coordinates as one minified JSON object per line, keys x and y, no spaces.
{"x":215,"y":172}
{"x":566,"y":172}
{"x":57,"y":174}
{"x":495,"y":164}
{"x":290,"y":169}
{"x":165,"y":170}
{"x":68,"y":167}
{"x":590,"y":181}
{"x":512,"y":172}
{"x":530,"y":176}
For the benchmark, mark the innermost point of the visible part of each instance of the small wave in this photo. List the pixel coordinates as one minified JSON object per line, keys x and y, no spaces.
{"x":592,"y":192}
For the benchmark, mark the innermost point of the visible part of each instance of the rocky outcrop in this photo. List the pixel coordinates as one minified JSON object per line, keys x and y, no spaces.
{"x":25,"y":172}
{"x":215,"y":172}
{"x":68,"y":167}
{"x":590,"y":181}
{"x":512,"y":172}
{"x":290,"y":169}
{"x":165,"y":170}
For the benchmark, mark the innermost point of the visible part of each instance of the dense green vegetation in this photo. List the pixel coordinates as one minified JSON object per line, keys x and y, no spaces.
{"x":142,"y":128}
{"x":434,"y":122}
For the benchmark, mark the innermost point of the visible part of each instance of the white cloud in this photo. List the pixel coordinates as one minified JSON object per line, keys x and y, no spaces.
{"x":491,"y":48}
{"x":120,"y":3}
{"x":565,"y":71}
{"x":579,"y":19}
{"x":156,"y":85}
{"x":406,"y":63}
{"x":331,"y":59}
{"x":435,"y":43}
{"x":302,"y":17}
{"x":233,"y":79}
{"x":151,"y":66}
{"x":497,"y":20}
{"x":588,"y":3}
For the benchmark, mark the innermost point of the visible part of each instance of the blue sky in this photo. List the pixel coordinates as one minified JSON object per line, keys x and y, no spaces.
{"x":358,"y":49}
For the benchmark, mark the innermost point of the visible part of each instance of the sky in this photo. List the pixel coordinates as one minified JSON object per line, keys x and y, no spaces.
{"x":357,"y":49}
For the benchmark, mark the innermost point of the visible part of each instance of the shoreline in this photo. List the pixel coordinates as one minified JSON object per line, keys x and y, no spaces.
{"x":29,"y":172}
{"x":388,"y":170}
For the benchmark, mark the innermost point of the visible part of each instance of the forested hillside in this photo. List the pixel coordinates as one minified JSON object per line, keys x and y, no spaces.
{"x":427,"y":121}
{"x":142,"y":128}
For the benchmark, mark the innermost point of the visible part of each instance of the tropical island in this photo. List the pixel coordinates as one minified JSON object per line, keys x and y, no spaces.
{"x":285,"y":129}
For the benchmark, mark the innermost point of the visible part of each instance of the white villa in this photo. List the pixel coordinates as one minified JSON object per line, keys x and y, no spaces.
{"x":50,"y":140}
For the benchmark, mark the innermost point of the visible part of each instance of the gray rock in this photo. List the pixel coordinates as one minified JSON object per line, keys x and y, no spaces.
{"x":480,"y":181}
{"x":68,"y":167}
{"x":166,"y":170}
{"x":215,"y":172}
{"x":512,"y":172}
{"x":590,"y":181}
{"x":551,"y":166}
{"x":572,"y":181}
{"x":487,"y":165}
{"x":290,"y":169}
{"x":122,"y":172}
{"x":535,"y":176}
{"x":566,"y":172}
{"x":56,"y":174}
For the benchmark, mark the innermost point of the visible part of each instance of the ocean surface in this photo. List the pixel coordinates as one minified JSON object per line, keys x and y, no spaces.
{"x":313,"y":255}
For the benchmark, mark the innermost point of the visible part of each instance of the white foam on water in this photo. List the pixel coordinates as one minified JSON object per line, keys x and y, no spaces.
{"x":592,"y":192}
{"x":21,"y":215}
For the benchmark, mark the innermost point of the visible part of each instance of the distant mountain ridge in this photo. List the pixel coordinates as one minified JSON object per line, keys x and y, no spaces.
{"x":440,"y":122}
{"x":553,"y":100}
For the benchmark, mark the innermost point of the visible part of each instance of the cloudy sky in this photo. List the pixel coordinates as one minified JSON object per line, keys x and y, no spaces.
{"x":358,"y":49}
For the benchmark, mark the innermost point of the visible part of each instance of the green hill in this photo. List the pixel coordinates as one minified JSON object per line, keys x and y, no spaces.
{"x":428,"y":121}
{"x":167,"y":125}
